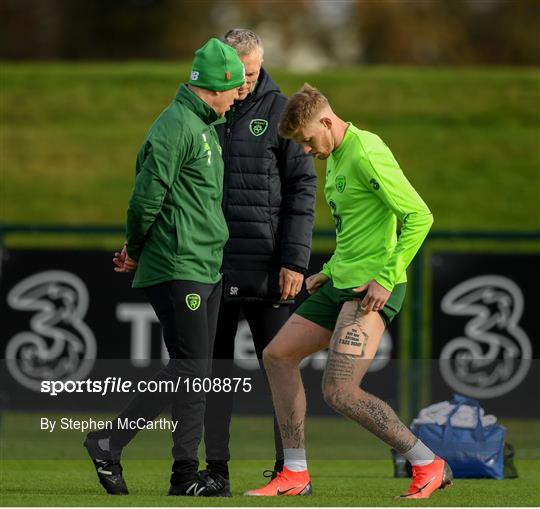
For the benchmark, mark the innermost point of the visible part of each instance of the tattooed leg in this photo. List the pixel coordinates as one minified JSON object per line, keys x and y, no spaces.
{"x":352,"y":349}
{"x":297,"y":339}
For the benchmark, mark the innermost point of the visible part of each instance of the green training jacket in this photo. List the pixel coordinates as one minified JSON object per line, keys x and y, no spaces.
{"x":175,"y":224}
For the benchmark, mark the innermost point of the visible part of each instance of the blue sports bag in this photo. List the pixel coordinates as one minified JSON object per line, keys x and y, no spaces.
{"x":477,"y":452}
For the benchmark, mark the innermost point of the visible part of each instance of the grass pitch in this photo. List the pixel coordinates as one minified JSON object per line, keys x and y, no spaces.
{"x":349,"y":467}
{"x":335,"y":483}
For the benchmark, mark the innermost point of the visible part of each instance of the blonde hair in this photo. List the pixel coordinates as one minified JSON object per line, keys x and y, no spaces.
{"x":300,"y":110}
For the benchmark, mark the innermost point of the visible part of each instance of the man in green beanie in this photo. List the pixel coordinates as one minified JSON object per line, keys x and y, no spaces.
{"x":174,"y":243}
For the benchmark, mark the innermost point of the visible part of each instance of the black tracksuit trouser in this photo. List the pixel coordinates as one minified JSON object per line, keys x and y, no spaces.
{"x":189,"y":327}
{"x":264,"y":321}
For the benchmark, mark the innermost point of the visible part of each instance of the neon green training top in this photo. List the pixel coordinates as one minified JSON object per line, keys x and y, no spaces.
{"x":367,"y":192}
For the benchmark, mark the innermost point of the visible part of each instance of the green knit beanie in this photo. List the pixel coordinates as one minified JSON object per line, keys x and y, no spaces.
{"x":216,"y":66}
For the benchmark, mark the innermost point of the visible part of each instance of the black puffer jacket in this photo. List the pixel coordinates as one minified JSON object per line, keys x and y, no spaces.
{"x":268,"y":197}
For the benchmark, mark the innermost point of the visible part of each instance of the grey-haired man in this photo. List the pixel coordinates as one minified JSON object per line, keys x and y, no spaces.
{"x":268,"y":202}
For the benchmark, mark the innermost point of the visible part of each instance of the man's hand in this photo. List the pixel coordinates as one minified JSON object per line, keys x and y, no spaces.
{"x":315,"y":281}
{"x":290,"y":283}
{"x":123,"y":262}
{"x":375,"y":298}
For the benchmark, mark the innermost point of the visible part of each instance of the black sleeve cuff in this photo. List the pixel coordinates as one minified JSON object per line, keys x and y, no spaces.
{"x":300,"y":270}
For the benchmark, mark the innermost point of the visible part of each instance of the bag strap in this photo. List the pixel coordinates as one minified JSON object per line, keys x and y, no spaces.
{"x":458,"y":399}
{"x":478,"y":430}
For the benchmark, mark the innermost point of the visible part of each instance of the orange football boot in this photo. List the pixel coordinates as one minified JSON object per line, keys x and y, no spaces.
{"x":286,"y":483}
{"x":428,"y":478}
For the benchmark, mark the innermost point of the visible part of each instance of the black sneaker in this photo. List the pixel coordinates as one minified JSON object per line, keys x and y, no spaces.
{"x":213,"y":478}
{"x":202,"y":486}
{"x":109,"y":471}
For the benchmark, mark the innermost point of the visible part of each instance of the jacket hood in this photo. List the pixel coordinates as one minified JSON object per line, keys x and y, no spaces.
{"x":265,"y":85}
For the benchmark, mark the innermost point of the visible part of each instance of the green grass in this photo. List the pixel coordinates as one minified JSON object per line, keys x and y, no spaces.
{"x":349,"y":467}
{"x":467,"y":138}
{"x":335,"y":483}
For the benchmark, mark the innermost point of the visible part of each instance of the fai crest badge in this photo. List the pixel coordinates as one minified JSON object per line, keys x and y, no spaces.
{"x":374,"y":184}
{"x":258,"y":126}
{"x":340,"y":183}
{"x":193,"y":301}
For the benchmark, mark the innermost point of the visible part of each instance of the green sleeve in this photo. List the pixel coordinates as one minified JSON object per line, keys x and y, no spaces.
{"x":397,"y":193}
{"x":157,"y":164}
{"x":327,"y":267}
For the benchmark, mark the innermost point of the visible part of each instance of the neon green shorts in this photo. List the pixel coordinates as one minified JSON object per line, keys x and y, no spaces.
{"x":324,"y":305}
